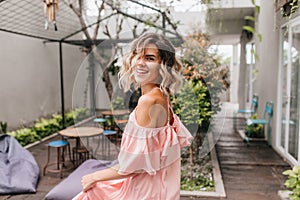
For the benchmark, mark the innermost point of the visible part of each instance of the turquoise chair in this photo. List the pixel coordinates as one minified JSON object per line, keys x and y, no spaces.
{"x":265,"y":121}
{"x":247,"y":112}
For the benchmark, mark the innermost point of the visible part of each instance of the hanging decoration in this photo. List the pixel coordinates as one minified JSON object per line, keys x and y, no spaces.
{"x":50,"y":8}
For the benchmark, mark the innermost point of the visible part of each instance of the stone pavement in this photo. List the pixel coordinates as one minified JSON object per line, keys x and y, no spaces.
{"x":251,"y":172}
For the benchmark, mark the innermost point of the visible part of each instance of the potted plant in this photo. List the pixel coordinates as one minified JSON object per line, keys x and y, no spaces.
{"x":255,"y":130}
{"x":293,"y":182}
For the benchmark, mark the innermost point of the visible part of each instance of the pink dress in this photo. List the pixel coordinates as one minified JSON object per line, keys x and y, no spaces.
{"x":152,"y":153}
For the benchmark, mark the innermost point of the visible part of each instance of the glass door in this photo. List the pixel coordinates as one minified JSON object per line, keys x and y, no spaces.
{"x":284,"y":89}
{"x":294,"y":93}
{"x":290,"y":92}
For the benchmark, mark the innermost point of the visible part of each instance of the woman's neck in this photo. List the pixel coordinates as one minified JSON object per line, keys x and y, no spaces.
{"x":148,"y":88}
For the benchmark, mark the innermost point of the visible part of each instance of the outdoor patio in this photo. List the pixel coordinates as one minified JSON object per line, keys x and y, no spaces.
{"x":55,"y":61}
{"x":248,"y":172}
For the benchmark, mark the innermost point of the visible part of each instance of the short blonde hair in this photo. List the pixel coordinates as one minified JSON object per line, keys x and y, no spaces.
{"x":170,"y":72}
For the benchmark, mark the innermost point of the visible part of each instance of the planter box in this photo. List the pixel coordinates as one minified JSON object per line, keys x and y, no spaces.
{"x":219,"y":185}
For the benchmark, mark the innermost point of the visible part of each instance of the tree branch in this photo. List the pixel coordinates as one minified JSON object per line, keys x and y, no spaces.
{"x":101,"y":7}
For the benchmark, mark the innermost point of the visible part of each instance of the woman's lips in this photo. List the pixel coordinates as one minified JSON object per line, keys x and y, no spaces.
{"x":141,"y":71}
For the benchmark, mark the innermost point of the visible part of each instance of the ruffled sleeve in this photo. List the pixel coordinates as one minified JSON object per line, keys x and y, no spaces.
{"x":151,"y":149}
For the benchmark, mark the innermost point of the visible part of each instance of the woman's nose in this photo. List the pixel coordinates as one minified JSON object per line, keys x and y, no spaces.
{"x":140,"y":61}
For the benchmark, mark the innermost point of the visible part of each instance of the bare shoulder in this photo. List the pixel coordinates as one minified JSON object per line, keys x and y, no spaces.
{"x":152,"y":110}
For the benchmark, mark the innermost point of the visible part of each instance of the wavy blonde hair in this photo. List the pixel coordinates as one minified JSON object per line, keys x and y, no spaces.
{"x":170,"y":71}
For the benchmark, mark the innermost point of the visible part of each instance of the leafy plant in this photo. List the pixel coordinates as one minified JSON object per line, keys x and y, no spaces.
{"x":255,"y":130}
{"x":117,"y":103}
{"x":199,"y":99}
{"x":201,"y":65}
{"x":200,"y":179}
{"x":289,"y":8}
{"x":205,"y":79}
{"x":45,"y":127}
{"x":3,"y":127}
{"x":293,"y":182}
{"x":75,"y":115}
{"x":192,"y":104}
{"x":199,"y":183}
{"x":25,"y":136}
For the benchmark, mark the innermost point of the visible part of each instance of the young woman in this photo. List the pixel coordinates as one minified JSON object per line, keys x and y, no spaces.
{"x":149,"y":158}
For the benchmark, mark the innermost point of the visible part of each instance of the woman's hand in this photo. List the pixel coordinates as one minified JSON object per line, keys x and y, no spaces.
{"x":87,"y":182}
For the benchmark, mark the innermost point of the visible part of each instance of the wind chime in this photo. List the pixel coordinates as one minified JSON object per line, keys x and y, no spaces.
{"x":50,"y":8}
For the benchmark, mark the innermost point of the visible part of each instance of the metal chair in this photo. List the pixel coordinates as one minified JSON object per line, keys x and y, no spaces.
{"x":111,"y":135}
{"x":61,"y":146}
{"x":264,"y":121}
{"x":100,"y":120}
{"x":246,"y":112}
{"x":80,"y":154}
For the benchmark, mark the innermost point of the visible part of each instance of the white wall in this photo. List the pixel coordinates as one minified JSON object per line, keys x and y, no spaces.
{"x":268,"y":50}
{"x":30,"y":78}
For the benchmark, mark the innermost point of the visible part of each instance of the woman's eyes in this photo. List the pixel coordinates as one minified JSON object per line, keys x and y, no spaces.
{"x":147,"y":58}
{"x":150,"y":58}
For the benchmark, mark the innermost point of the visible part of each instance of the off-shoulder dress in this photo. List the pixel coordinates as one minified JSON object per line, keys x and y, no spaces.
{"x":154,"y":155}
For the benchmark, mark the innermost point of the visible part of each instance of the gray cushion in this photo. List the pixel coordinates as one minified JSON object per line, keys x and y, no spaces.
{"x":71,"y":186}
{"x":19,"y":171}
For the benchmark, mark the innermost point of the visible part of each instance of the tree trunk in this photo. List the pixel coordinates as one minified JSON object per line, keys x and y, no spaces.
{"x":108,"y":84}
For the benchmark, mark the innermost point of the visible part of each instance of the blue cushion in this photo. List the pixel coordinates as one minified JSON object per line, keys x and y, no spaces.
{"x":109,"y":132}
{"x":58,"y":143}
{"x":257,"y":121}
{"x":71,"y":186}
{"x":100,"y":120}
{"x":245,"y":111}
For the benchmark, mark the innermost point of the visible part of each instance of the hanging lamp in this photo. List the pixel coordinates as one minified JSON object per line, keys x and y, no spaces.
{"x":50,"y":8}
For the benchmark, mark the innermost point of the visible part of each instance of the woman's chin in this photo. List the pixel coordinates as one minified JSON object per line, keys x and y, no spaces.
{"x":139,"y":79}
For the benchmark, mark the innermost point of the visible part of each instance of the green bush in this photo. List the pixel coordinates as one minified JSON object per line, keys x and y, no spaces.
{"x":198,"y":101}
{"x":118,"y":103}
{"x":25,"y":136}
{"x":293,"y":182}
{"x":45,"y":127}
{"x":200,"y":183}
{"x":205,"y":79}
{"x":192,"y":105}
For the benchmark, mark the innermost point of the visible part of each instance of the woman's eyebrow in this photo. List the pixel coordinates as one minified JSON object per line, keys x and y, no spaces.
{"x":151,"y":55}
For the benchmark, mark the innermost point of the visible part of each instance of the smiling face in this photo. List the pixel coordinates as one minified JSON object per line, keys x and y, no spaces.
{"x":146,"y":65}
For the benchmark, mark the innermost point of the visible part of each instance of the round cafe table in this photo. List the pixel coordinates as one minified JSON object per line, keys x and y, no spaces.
{"x":115,"y":112}
{"x":81,"y":132}
{"x":117,"y":118}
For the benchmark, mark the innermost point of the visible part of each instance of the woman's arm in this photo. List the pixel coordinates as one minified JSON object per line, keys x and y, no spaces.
{"x":111,"y":173}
